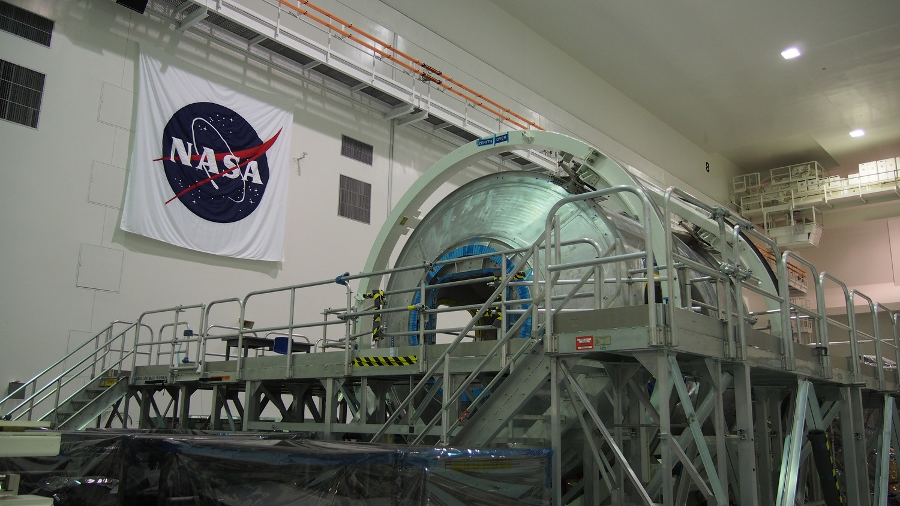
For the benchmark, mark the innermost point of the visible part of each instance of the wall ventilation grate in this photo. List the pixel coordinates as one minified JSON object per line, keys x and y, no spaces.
{"x":355,"y":201}
{"x":21,"y":90}
{"x":357,"y":150}
{"x":27,"y":24}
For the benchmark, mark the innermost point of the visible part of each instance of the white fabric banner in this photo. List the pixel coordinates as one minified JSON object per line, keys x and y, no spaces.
{"x":209,"y":165}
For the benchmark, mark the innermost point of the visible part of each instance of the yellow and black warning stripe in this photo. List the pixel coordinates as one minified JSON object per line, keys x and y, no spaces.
{"x":378,"y":297}
{"x":382,"y":361}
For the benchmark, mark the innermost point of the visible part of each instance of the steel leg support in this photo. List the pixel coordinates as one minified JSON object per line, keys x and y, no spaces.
{"x":790,"y":467}
{"x":746,"y":444}
{"x":852,"y":434}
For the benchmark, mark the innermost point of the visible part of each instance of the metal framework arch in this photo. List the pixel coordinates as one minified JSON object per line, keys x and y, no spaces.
{"x":407,"y":210}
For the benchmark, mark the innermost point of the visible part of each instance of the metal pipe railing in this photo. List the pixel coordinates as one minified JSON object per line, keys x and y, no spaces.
{"x":33,"y":400}
{"x":820,"y":296}
{"x":879,"y":360}
{"x":786,"y":307}
{"x":176,"y":310}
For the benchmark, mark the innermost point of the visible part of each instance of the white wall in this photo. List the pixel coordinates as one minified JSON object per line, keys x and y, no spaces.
{"x":866,"y":256}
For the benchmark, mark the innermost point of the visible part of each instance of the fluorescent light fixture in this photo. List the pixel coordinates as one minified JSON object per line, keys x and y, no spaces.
{"x":859,"y":132}
{"x":791,"y":52}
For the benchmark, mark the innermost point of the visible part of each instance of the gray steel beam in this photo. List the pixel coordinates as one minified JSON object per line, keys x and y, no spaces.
{"x":412,"y":118}
{"x":573,"y":387}
{"x":555,"y":435}
{"x":790,"y":462}
{"x":764,"y":467}
{"x":398,"y":111}
{"x":715,"y":482}
{"x":746,"y":443}
{"x":852,"y":437}
{"x":882,"y":465}
{"x":192,"y":19}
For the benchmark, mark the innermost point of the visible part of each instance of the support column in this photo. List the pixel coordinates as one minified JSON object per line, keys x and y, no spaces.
{"x":252,"y":400}
{"x":790,"y":463}
{"x":184,"y":411}
{"x":714,"y":370}
{"x":555,"y":436}
{"x":852,"y":437}
{"x":746,"y":444}
{"x":658,"y":364}
{"x":882,"y":465}
{"x":146,"y":397}
{"x":329,"y":407}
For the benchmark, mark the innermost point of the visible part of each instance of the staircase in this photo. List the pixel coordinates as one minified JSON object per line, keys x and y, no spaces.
{"x":506,"y":402}
{"x":42,"y":397}
{"x":88,"y":403}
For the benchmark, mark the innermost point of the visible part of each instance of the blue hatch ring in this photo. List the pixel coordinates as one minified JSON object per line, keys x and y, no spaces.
{"x":464,"y":251}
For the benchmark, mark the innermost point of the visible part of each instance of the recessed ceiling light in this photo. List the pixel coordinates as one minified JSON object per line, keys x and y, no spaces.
{"x":858,"y":133}
{"x":791,"y":52}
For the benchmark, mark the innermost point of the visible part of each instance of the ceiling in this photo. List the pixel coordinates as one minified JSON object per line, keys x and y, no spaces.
{"x":713,"y":71}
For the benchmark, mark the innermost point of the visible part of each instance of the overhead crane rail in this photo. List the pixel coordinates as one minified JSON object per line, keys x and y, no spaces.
{"x":425,"y":72}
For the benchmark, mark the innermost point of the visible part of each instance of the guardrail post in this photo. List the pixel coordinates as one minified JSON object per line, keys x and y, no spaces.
{"x":420,"y":316}
{"x":854,"y":337}
{"x":787,"y":332}
{"x":289,"y":359}
{"x":348,"y":328}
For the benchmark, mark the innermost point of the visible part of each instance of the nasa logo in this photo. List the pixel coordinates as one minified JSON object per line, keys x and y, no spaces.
{"x":215,"y":162}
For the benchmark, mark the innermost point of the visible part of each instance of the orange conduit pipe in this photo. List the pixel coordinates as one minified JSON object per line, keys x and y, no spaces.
{"x":426,"y":75}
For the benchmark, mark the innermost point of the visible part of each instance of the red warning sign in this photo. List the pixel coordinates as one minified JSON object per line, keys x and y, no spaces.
{"x":584,"y":343}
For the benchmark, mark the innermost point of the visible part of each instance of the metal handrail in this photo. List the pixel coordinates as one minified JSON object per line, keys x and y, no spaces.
{"x":552,"y":225}
{"x":730,"y":276}
{"x":854,"y":348}
{"x":31,"y":399}
{"x":74,"y":394}
{"x":60,"y":361}
{"x":879,"y":360}
{"x":786,"y":329}
{"x":290,"y":327}
{"x":177,"y":310}
{"x":282,"y":334}
{"x":205,"y":330}
{"x":895,"y":338}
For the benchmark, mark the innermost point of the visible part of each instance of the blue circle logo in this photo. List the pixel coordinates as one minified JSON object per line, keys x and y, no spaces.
{"x":215,"y":162}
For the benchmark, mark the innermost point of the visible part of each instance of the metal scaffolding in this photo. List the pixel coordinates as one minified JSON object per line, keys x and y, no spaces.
{"x":662,"y":367}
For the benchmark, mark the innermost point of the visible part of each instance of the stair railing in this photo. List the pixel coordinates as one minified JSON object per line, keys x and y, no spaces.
{"x":532,"y":311}
{"x":439,"y":361}
{"x":53,"y":387}
{"x":176,"y":311}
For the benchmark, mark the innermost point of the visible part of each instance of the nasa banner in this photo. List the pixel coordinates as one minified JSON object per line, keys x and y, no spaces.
{"x":209,"y":164}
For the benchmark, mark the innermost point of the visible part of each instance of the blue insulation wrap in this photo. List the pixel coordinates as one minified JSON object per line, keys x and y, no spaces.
{"x":111,"y":467}
{"x":521,"y":292}
{"x":465,"y":396}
